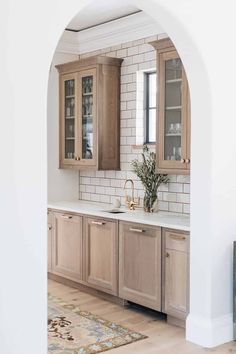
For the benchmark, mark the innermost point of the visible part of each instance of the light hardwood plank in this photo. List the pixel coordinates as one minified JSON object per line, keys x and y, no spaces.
{"x":162,"y":337}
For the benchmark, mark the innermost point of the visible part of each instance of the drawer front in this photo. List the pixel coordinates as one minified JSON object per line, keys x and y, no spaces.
{"x":176,"y":240}
{"x":140,"y":229}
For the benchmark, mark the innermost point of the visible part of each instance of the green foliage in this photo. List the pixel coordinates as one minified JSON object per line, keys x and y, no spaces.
{"x":146,"y":171}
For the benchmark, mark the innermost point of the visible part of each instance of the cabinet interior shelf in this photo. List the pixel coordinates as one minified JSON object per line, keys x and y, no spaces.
{"x":71,"y":117}
{"x":70,"y":96}
{"x":70,"y":138}
{"x":173,"y":134}
{"x":173,"y":108}
{"x":88,"y":116}
{"x":171,"y":81}
{"x":87,"y":93}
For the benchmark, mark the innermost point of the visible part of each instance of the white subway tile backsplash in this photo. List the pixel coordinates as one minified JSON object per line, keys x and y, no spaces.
{"x":105,"y":182}
{"x":186,"y":208}
{"x":90,"y":189}
{"x":169,"y":197}
{"x":86,"y":196}
{"x":176,"y":207}
{"x":100,"y":190}
{"x":122,"y":53}
{"x":133,"y":50}
{"x":105,"y":199}
{"x":95,"y":197}
{"x":186,"y":188}
{"x":106,"y":186}
{"x":100,"y":174}
{"x":176,"y":187}
{"x":85,"y":180}
{"x":183,"y":198}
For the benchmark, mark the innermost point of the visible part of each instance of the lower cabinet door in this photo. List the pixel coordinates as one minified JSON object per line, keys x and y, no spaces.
{"x":140,"y":264}
{"x":176,"y":283}
{"x":50,"y":216}
{"x":176,"y":273}
{"x":101,"y":254}
{"x":67,"y":246}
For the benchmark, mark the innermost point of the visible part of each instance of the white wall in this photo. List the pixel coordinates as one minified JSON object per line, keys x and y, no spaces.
{"x":203,"y":32}
{"x":62,"y":184}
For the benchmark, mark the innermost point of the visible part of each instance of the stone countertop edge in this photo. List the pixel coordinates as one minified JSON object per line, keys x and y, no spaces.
{"x":161,"y":218}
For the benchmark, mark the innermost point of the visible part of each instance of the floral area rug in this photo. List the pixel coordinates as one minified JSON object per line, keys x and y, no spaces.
{"x":72,"y":331}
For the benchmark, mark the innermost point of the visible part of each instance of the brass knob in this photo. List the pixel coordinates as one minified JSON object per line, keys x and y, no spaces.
{"x":77,"y":158}
{"x":182,"y":161}
{"x":187,"y":160}
{"x":167,"y":255}
{"x":49,"y":228}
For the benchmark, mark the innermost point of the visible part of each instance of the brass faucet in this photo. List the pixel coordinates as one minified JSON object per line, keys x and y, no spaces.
{"x":131,"y":201}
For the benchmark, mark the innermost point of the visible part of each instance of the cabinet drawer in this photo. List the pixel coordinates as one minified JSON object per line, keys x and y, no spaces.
{"x":140,"y":229}
{"x":176,"y":240}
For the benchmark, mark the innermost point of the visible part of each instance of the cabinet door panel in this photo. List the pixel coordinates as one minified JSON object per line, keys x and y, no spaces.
{"x":173,"y":113}
{"x":67,"y":246}
{"x":50,"y":216}
{"x":176,"y":283}
{"x":87,"y":111}
{"x":140,"y":264}
{"x":68,"y":119}
{"x":101,"y":252}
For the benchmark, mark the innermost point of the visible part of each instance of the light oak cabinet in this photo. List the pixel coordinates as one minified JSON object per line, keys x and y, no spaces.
{"x":140,"y":264}
{"x":173,"y":113}
{"x":67,"y":246}
{"x":90,"y":113}
{"x":50,"y":221}
{"x":101,"y":254}
{"x":175,"y":273}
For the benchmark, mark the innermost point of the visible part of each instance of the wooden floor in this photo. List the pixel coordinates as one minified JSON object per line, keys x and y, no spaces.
{"x":162,"y":338}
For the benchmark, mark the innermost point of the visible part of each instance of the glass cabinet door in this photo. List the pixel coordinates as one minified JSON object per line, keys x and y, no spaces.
{"x":69,"y":119}
{"x":173,"y":109}
{"x":88,"y":116}
{"x":173,"y":116}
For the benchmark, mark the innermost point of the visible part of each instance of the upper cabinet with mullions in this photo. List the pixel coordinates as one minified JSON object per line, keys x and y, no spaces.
{"x":173,"y":113}
{"x":90,"y":113}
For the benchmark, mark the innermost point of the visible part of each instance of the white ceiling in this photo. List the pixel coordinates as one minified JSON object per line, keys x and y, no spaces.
{"x":99,"y":12}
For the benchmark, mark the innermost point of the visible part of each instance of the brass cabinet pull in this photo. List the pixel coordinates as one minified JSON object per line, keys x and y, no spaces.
{"x":49,"y":228}
{"x":188,"y":161}
{"x":136,"y":230}
{"x":182,"y":161}
{"x":66,"y":216}
{"x":178,"y":237}
{"x":167,"y":255}
{"x":77,"y":158}
{"x":100,"y":223}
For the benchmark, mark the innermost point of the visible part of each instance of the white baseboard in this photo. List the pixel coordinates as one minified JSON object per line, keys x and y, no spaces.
{"x":209,"y":332}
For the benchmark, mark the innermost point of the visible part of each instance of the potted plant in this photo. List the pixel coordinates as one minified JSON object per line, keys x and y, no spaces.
{"x":146,"y":171}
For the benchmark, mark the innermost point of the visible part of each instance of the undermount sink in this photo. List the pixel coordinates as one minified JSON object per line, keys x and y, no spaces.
{"x":114,"y":211}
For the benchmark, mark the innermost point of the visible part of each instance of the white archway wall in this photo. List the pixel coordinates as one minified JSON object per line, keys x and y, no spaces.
{"x":29,"y":34}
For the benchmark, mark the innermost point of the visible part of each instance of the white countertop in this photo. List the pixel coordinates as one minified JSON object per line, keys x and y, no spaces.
{"x":160,"y":218}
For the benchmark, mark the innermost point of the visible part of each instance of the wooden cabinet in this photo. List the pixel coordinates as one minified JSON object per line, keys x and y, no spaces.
{"x":140,"y":264}
{"x":173,"y":113}
{"x":90,"y":113}
{"x":101,"y":254}
{"x":175,"y":273}
{"x":50,"y":222}
{"x":67,"y":246}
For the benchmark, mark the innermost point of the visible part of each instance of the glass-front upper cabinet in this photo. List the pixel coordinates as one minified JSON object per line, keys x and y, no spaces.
{"x":69,"y":119}
{"x":90,"y":118}
{"x":88,"y":115}
{"x":173,"y":153}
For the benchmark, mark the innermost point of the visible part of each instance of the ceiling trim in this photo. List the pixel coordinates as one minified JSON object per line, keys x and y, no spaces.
{"x":102,"y":23}
{"x":119,"y":31}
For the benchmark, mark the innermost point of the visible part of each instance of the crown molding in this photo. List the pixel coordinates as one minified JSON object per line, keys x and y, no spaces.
{"x":119,"y":31}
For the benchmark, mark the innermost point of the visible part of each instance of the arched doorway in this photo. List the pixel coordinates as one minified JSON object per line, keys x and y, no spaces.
{"x":24,"y":182}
